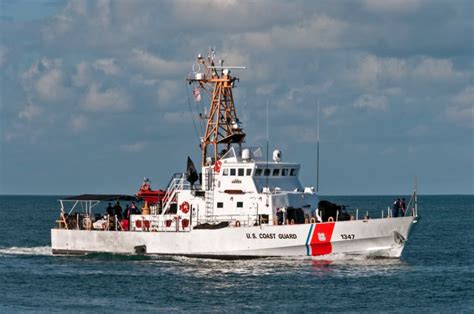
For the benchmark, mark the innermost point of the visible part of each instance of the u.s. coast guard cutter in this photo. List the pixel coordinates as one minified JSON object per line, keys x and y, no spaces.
{"x":241,"y":205}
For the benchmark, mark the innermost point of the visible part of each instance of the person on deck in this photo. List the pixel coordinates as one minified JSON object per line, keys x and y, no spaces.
{"x":403,"y":207}
{"x":396,"y":208}
{"x":146,"y":185}
{"x":127,"y":212}
{"x":280,"y":216}
{"x":118,"y":210}
{"x":134,"y":209}
{"x":110,"y":210}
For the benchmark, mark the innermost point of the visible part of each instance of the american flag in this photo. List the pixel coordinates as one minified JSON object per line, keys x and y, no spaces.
{"x":197,"y":94}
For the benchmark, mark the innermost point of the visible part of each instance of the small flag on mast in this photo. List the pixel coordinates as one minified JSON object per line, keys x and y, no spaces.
{"x":197,"y":94}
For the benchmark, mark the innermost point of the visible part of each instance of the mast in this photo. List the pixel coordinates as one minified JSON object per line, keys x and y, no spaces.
{"x":222,"y":126}
{"x":317,"y":155}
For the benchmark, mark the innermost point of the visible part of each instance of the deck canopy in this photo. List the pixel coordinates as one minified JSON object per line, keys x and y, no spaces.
{"x":102,"y":197}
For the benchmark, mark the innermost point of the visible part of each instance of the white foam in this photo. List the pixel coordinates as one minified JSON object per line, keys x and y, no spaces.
{"x":37,"y":250}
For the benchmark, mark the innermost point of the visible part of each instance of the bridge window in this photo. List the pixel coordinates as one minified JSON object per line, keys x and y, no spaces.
{"x":249,"y":172}
{"x":241,"y":172}
{"x":266,"y":173}
{"x":220,"y":205}
{"x":284,"y":172}
{"x":225,"y":172}
{"x":276,"y":172}
{"x":232,"y":171}
{"x":293,"y":172}
{"x":258,"y":172}
{"x":240,"y":204}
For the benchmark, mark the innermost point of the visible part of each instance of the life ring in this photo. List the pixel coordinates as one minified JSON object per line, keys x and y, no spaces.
{"x":146,"y":224}
{"x":184,"y":207}
{"x":237,"y":223}
{"x":330,"y":219}
{"x":313,"y":220}
{"x":217,"y":166}
{"x":138,"y":224}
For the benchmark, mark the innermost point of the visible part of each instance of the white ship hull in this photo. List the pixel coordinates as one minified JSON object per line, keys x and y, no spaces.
{"x":374,"y":237}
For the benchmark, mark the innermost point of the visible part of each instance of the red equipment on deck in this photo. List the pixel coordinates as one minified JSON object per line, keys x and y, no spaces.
{"x":152,"y":197}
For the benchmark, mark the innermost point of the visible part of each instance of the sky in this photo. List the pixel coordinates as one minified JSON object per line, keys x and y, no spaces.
{"x":93,"y":94}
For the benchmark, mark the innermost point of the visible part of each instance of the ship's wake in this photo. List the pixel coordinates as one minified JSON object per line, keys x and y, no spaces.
{"x":33,"y":251}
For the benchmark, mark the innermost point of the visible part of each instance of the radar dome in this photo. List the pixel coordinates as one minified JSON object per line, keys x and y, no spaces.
{"x":277,"y":155}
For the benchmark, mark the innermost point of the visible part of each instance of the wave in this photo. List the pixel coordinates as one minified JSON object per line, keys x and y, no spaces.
{"x":37,"y":251}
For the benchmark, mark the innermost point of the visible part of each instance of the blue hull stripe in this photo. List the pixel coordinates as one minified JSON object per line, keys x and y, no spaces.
{"x":307,"y":239}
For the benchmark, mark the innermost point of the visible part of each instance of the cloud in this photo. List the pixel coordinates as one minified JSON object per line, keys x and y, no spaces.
{"x":49,"y":85}
{"x":154,"y":65}
{"x":319,"y":31}
{"x":436,"y":69}
{"x":29,"y":112}
{"x":392,"y":6}
{"x":461,"y":109}
{"x":3,"y":55}
{"x":78,"y":123}
{"x":108,"y":66}
{"x":134,"y":147}
{"x":112,"y":99}
{"x":371,"y":102}
{"x":82,"y":75}
{"x":169,"y":90}
{"x":372,"y":69}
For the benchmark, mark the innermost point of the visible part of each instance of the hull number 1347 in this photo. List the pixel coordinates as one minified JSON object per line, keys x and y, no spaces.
{"x":345,"y":236}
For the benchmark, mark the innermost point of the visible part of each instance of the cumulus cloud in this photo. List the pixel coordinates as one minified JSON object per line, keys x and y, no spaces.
{"x":319,"y":31}
{"x":29,"y":112}
{"x":108,"y":66}
{"x":45,"y":80}
{"x":461,"y":109}
{"x":371,"y":102}
{"x":112,"y":99}
{"x":372,"y":69}
{"x":436,"y":69}
{"x":157,"y":66}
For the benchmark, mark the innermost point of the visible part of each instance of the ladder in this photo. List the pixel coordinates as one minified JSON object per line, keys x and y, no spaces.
{"x":175,"y":185}
{"x":210,"y":184}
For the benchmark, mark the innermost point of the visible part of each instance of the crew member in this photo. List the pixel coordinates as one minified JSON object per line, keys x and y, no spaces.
{"x":118,"y":210}
{"x":403,"y":207}
{"x":134,"y":209}
{"x":396,"y":208}
{"x":146,"y":185}
{"x":127,"y":212}
{"x":110,"y":210}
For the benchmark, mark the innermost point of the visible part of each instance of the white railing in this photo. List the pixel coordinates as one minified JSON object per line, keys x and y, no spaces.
{"x":177,"y":183}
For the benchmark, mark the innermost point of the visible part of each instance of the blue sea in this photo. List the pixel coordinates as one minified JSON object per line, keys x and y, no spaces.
{"x":435,"y":273}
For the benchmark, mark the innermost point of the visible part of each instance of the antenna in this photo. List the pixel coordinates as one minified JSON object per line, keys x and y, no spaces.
{"x":317,"y":153}
{"x":416,"y":197}
{"x":267,"y":170}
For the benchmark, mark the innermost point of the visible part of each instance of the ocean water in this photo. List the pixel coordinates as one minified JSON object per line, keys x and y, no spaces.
{"x":435,"y":273}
